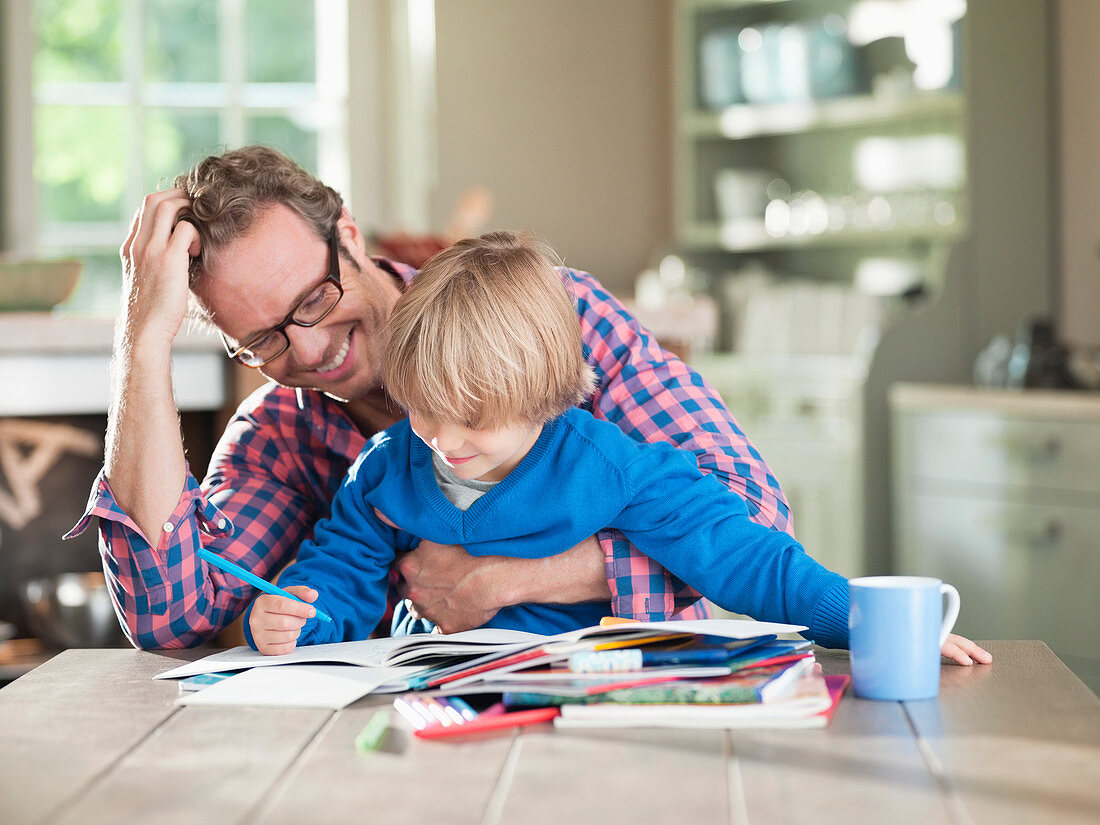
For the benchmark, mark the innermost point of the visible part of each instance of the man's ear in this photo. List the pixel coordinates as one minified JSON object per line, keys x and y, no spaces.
{"x":349,"y":235}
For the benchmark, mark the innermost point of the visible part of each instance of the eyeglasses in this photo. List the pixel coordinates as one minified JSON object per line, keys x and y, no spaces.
{"x":310,"y":311}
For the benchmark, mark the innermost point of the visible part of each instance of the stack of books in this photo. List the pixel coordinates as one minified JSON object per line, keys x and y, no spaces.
{"x":713,"y":673}
{"x":699,"y":674}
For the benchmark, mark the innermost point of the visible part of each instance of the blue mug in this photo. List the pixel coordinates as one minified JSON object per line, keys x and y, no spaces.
{"x":897,"y":625}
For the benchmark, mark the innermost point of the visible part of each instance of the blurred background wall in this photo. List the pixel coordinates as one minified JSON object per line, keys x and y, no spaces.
{"x":562,"y":110}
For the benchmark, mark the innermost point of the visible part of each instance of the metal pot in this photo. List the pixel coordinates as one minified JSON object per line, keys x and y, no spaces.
{"x":72,"y":610}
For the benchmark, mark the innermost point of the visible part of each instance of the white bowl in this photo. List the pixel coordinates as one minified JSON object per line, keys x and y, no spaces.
{"x":36,"y":285}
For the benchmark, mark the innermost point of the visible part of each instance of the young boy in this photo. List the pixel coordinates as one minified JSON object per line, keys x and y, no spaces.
{"x":484,"y":351}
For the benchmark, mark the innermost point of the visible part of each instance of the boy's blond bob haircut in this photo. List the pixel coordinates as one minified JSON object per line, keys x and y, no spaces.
{"x":486,"y":336}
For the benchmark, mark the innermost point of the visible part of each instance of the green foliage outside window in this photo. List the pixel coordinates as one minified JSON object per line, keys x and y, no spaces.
{"x":78,"y":41}
{"x":280,"y":48}
{"x":89,"y":145}
{"x":181,"y":41}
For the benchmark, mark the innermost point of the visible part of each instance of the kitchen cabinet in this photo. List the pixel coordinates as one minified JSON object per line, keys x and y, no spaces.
{"x":951,"y":227}
{"x":803,"y":416}
{"x":998,"y":493}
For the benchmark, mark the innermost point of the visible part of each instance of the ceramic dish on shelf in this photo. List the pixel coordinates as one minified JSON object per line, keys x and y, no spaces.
{"x":29,"y":285}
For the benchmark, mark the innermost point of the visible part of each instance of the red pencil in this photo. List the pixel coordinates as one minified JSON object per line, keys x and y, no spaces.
{"x":503,"y":720}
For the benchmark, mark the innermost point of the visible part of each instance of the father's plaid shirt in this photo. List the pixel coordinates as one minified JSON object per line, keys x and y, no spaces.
{"x":283,"y":456}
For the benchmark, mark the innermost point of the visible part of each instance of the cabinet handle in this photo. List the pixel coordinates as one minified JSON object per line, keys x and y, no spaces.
{"x":1044,"y":539}
{"x":1034,"y":452}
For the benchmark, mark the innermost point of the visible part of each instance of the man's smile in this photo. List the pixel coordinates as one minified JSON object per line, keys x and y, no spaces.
{"x":337,"y":360}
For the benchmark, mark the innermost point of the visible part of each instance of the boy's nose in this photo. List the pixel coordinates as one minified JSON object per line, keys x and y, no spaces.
{"x":446,"y":439}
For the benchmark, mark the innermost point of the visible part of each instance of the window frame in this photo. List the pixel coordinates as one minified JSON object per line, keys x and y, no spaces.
{"x":231,"y":99}
{"x":380,"y":154}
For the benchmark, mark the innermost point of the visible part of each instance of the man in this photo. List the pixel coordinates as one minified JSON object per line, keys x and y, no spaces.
{"x":275,"y":262}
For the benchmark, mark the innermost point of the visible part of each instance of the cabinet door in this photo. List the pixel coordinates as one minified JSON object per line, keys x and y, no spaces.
{"x":822,"y":487}
{"x":1024,"y":571}
{"x":998,"y":450}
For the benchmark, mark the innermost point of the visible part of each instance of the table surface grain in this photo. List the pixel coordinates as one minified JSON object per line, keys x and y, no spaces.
{"x":90,"y":737}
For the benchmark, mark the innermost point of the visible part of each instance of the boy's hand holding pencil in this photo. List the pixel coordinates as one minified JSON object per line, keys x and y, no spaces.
{"x":276,"y":621}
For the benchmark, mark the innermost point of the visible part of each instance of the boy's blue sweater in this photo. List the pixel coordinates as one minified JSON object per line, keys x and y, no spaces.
{"x":581,"y":476}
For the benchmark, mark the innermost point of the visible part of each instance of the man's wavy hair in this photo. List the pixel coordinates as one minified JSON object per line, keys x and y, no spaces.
{"x":486,"y":336}
{"x":228,"y":191}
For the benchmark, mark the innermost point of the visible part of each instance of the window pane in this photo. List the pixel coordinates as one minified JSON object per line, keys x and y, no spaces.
{"x":287,"y":134}
{"x":280,"y":41}
{"x":181,"y":41}
{"x":78,"y":40}
{"x":175,"y":141}
{"x":100,"y":287}
{"x":80,"y":162}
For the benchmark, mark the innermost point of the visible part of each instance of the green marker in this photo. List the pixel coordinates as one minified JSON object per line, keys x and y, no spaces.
{"x":372,"y":735}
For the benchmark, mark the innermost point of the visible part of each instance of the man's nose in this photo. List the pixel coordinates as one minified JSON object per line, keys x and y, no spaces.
{"x":309,"y":344}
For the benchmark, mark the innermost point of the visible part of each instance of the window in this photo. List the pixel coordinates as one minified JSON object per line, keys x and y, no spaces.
{"x":127,"y":93}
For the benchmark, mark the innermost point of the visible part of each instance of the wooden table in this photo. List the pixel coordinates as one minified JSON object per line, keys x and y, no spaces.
{"x":90,"y":737}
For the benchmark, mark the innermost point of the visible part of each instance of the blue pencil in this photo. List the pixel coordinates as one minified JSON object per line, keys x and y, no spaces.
{"x":254,"y":580}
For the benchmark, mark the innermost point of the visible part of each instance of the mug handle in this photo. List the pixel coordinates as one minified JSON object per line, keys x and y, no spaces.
{"x":952,"y":610}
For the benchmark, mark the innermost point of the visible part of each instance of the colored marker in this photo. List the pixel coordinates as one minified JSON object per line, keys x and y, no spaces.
{"x":254,"y":580}
{"x":515,"y":719}
{"x":624,"y":661}
{"x":412,"y":714}
{"x":439,"y":711}
{"x":373,"y":733}
{"x":462,"y":706}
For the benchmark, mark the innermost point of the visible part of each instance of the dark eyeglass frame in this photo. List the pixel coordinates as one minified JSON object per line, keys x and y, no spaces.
{"x":238,"y":353}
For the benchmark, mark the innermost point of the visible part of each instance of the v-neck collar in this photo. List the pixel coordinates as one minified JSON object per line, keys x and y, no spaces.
{"x":427,"y":488}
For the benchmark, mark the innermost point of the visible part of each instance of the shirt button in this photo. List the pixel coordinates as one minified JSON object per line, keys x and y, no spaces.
{"x":222,"y":523}
{"x":168,"y":527}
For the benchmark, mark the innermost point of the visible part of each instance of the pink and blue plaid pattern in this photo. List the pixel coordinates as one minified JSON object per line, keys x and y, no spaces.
{"x":282,"y":457}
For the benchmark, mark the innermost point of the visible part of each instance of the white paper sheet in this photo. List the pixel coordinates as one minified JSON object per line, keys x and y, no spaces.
{"x":297,"y":686}
{"x":367,"y":652}
{"x":392,"y":650}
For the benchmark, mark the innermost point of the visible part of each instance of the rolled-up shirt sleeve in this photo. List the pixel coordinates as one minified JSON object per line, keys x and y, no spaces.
{"x":652,"y":395}
{"x":254,"y":508}
{"x":162,"y":595}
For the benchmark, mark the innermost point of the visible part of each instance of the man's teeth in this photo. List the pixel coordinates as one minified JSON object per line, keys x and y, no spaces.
{"x":338,"y":360}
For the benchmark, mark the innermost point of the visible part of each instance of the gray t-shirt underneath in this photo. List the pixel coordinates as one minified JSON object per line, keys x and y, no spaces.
{"x":460,"y":492}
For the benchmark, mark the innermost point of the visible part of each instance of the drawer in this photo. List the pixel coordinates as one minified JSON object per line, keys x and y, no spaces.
{"x":799,"y":400}
{"x":992,"y":449}
{"x":1024,"y":571}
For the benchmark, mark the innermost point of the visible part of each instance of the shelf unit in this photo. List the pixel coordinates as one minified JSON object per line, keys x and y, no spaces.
{"x":764,"y":120}
{"x":809,"y":144}
{"x":984,"y":273}
{"x":806,"y":411}
{"x":752,"y":238}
